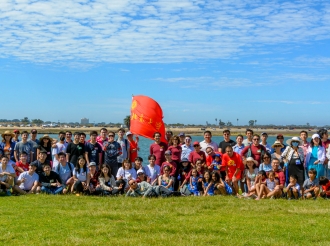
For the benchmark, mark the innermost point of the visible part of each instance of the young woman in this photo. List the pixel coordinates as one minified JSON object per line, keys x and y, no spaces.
{"x":7,"y":145}
{"x":277,"y":146}
{"x":152,"y":170}
{"x":315,"y":156}
{"x":107,"y":183}
{"x":81,"y":177}
{"x":266,"y":164}
{"x":46,"y":144}
{"x":175,"y":148}
{"x":126,"y":173}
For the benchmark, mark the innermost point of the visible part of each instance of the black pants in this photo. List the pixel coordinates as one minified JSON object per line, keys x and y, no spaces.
{"x":106,"y":192}
{"x":78,"y":187}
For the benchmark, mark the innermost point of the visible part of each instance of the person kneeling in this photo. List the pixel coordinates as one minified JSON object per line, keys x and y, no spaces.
{"x":27,"y":181}
{"x":51,"y":182}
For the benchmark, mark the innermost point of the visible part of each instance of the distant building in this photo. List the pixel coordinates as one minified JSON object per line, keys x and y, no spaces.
{"x":84,"y":121}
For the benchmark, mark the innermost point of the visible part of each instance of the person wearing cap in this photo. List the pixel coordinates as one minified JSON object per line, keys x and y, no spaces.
{"x":7,"y":145}
{"x":293,"y":156}
{"x":65,"y":170}
{"x":24,"y":146}
{"x":141,"y":176}
{"x":27,"y":181}
{"x":152,"y":170}
{"x":41,"y":161}
{"x":94,"y":177}
{"x":250,"y":174}
{"x":277,"y":146}
{"x":133,"y":151}
{"x":249,"y":136}
{"x":7,"y":175}
{"x":187,"y":148}
{"x":94,"y":150}
{"x":50,"y":181}
{"x":15,"y":139}
{"x":315,"y":156}
{"x":46,"y":144}
{"x":264,"y":143}
{"x":226,"y":142}
{"x":158,"y":149}
{"x":208,"y":142}
{"x":182,"y":137}
{"x":125,"y":147}
{"x":34,"y":142}
{"x":197,"y":154}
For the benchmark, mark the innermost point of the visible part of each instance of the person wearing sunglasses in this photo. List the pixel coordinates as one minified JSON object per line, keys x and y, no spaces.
{"x":197,"y":154}
{"x":112,"y":150}
{"x":277,"y":146}
{"x":255,"y":150}
{"x":187,"y":147}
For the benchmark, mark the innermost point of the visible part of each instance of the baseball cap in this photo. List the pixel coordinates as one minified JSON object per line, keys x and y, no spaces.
{"x":196,"y":143}
{"x":168,"y":152}
{"x":92,"y":164}
{"x":140,"y":171}
{"x":181,"y":134}
{"x":129,"y":133}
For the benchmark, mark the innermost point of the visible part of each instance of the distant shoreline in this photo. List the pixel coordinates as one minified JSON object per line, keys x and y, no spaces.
{"x":190,"y":131}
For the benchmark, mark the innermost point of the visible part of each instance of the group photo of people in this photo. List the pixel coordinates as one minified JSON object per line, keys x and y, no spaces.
{"x":108,"y":163}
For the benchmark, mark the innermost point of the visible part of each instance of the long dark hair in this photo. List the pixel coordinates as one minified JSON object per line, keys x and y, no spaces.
{"x":109,"y":170}
{"x":77,"y":168}
{"x":49,"y":144}
{"x":312,"y":142}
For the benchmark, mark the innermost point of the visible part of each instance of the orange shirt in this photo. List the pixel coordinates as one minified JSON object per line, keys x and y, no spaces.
{"x":132,"y":155}
{"x":233,"y":163}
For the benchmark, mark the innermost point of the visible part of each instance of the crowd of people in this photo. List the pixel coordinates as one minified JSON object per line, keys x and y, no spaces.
{"x":104,"y":165}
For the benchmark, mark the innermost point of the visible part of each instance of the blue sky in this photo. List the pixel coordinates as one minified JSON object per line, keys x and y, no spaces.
{"x":201,"y":60}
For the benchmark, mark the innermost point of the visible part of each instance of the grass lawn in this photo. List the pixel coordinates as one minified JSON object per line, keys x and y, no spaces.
{"x":63,"y":220}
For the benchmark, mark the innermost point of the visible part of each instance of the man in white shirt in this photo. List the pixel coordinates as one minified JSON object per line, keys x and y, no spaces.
{"x":27,"y":181}
{"x":208,"y":142}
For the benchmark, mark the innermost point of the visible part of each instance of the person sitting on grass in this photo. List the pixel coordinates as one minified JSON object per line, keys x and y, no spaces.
{"x":125,"y":173}
{"x":81,"y":177}
{"x":27,"y":182}
{"x":93,"y":177}
{"x":7,"y":175}
{"x":141,"y":176}
{"x":271,"y":189}
{"x":41,"y":161}
{"x":152,"y":170}
{"x":166,"y":179}
{"x":200,"y":171}
{"x":51,"y":182}
{"x":325,"y":182}
{"x":22,"y":165}
{"x":311,"y":185}
{"x":293,"y":188}
{"x":107,"y":183}
{"x":193,"y":182}
{"x":144,"y":189}
{"x":65,"y":170}
{"x":251,"y":173}
{"x":208,"y":184}
{"x":260,"y":183}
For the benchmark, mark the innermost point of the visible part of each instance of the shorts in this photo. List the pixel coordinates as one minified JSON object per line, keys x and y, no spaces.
{"x":311,"y":192}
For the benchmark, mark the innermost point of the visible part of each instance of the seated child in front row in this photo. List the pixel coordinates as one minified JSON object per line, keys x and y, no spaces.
{"x":311,"y":185}
{"x":324,"y":181}
{"x":293,"y":188}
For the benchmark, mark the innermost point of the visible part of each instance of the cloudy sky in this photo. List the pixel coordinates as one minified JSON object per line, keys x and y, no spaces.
{"x":201,"y":60}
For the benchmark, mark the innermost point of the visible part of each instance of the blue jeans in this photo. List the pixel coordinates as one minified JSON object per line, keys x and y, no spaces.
{"x":51,"y":190}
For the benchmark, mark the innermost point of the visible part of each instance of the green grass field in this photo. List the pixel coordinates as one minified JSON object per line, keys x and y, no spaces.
{"x":71,"y":220}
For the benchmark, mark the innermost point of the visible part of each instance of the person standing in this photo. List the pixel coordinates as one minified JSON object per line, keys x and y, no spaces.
{"x":158,"y":149}
{"x":315,"y":157}
{"x":249,"y":135}
{"x":305,"y":143}
{"x":239,"y":146}
{"x":94,"y":150}
{"x":264,"y":143}
{"x":133,"y":151}
{"x":125,"y":147}
{"x":112,"y":150}
{"x":208,"y":142}
{"x":7,"y":145}
{"x":226,"y":142}
{"x":24,"y":146}
{"x":323,"y":133}
{"x":59,"y":147}
{"x":34,"y":142}
{"x":15,"y":139}
{"x":186,"y":148}
{"x":254,"y":150}
{"x":76,"y":149}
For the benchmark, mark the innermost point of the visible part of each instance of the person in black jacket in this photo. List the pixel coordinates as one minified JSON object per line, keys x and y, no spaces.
{"x":51,"y":182}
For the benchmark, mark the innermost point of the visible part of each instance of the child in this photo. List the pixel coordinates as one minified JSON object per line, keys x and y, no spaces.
{"x":184,"y":170}
{"x":325,"y":187}
{"x":208,"y":184}
{"x":311,"y":185}
{"x":272,"y":186}
{"x":125,"y":174}
{"x":193,"y":182}
{"x":21,"y":165}
{"x":216,"y":163}
{"x":220,"y":185}
{"x":293,"y":188}
{"x":166,"y":180}
{"x":260,"y":182}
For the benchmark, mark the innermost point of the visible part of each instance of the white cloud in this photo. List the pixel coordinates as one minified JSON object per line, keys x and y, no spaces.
{"x":82,"y":31}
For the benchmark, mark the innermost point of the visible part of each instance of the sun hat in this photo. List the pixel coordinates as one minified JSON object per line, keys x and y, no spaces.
{"x":315,"y":136}
{"x":294,"y":139}
{"x":250,"y":159}
{"x":7,"y":133}
{"x":277,"y":143}
{"x":46,"y":136}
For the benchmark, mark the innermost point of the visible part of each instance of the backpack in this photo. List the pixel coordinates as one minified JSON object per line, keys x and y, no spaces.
{"x":58,"y":168}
